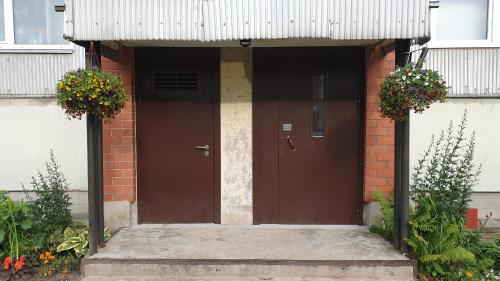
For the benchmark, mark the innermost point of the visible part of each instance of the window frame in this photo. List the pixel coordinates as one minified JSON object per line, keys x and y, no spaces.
{"x":9,"y":45}
{"x":490,"y":41}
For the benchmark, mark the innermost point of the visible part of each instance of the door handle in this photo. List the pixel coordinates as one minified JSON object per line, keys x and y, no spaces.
{"x":203,"y":147}
{"x":290,"y":143}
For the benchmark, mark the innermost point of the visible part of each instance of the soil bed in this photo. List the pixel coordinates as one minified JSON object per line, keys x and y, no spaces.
{"x":33,"y":275}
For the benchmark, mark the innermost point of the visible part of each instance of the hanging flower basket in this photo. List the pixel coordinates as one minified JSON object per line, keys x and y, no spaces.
{"x":91,"y":91}
{"x":410,"y":88}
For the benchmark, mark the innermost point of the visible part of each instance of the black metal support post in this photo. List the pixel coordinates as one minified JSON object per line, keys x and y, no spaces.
{"x":95,"y":165}
{"x":100,"y":184}
{"x":402,"y":163}
{"x":92,"y":183}
{"x":405,"y":181}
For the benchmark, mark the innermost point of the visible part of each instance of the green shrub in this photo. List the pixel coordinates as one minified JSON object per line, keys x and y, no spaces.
{"x":441,"y":189}
{"x":50,"y":202}
{"x":446,"y":172}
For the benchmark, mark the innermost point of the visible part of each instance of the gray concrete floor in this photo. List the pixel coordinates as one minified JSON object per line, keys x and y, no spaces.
{"x":262,"y":242}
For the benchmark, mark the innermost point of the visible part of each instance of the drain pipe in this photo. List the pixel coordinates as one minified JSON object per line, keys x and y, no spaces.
{"x":95,"y":163}
{"x":402,"y":157}
{"x":401,"y":167}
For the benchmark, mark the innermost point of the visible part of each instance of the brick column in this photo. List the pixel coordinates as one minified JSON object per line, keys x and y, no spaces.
{"x":379,"y":134}
{"x":119,"y":143}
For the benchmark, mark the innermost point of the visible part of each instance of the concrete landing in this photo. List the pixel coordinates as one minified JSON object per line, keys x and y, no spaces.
{"x":265,"y":252}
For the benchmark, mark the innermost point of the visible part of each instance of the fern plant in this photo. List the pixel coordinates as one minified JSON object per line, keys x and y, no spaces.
{"x":385,"y":226}
{"x":436,"y":240}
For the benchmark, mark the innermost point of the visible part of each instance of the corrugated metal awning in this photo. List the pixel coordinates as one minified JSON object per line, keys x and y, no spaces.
{"x":231,"y":20}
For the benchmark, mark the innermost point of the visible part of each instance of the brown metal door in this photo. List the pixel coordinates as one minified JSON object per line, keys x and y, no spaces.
{"x":309,"y":148}
{"x":178,"y":151}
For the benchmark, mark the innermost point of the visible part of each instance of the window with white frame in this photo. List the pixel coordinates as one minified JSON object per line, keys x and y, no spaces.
{"x":464,"y":23}
{"x":462,"y":20}
{"x":31,"y":24}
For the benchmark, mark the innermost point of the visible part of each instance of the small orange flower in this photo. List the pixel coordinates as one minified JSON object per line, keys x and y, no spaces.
{"x":469,"y":274}
{"x":6,"y":263}
{"x":18,"y":265}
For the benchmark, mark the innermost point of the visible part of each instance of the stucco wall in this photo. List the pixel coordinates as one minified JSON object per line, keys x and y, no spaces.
{"x":483,"y":116}
{"x":236,"y":136}
{"x":29,"y":129}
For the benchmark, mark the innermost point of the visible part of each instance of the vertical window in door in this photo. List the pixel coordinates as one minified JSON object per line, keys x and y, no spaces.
{"x":2,"y":22}
{"x":318,"y":105}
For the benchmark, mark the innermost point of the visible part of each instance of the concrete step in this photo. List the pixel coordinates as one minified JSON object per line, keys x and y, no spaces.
{"x":251,"y":270}
{"x":269,"y":252}
{"x":142,"y":278}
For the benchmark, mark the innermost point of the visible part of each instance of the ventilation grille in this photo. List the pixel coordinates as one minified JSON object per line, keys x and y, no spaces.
{"x":176,"y":81}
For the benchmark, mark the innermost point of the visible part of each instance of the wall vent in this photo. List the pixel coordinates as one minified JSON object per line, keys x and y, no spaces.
{"x":176,"y":81}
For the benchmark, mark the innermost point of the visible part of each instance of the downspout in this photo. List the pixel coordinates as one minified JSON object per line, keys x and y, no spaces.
{"x":95,"y":163}
{"x":402,"y":159}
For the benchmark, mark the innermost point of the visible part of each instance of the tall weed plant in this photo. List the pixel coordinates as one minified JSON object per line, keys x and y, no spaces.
{"x":441,"y":189}
{"x":447,"y":172}
{"x":50,"y":201}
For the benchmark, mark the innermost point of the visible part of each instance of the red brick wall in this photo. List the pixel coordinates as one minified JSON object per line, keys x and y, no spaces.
{"x":379,"y":134}
{"x":119,"y":136}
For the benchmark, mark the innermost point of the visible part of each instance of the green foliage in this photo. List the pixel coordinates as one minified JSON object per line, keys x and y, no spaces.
{"x":384,"y":227}
{"x":51,"y":202}
{"x":91,"y":91}
{"x":78,"y":240}
{"x":441,"y":189}
{"x":486,"y":249}
{"x":446,"y":172}
{"x":437,"y":240}
{"x":15,"y":223}
{"x":410,"y":87}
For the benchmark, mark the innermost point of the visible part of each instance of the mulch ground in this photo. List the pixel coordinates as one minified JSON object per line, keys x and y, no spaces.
{"x":32,"y":275}
{"x":491,"y":233}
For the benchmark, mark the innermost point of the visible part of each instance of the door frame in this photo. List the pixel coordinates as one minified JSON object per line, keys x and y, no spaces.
{"x":216,"y":127}
{"x":256,"y":127}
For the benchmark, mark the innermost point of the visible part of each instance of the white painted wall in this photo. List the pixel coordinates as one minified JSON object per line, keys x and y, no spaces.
{"x":483,"y":117}
{"x":29,"y":128}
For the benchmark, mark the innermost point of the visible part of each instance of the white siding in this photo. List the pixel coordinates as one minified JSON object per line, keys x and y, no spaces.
{"x":36,"y":74}
{"x":470,"y":72}
{"x":221,"y":20}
